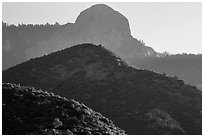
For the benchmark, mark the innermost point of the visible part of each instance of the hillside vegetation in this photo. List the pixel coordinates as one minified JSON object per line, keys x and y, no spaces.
{"x":28,"y":111}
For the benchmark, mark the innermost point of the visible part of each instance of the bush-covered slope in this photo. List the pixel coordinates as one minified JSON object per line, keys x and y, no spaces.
{"x":139,"y":101}
{"x":30,"y":111}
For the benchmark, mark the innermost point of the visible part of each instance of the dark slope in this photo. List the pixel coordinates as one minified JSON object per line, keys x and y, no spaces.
{"x":139,"y":101}
{"x":29,"y":111}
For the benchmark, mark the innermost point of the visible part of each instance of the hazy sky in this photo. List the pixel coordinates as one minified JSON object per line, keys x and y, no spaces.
{"x":173,"y":27}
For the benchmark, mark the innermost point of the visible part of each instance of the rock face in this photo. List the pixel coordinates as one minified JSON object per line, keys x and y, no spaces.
{"x":28,"y":111}
{"x":138,"y":101}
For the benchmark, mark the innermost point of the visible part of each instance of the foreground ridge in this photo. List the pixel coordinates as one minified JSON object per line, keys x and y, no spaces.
{"x":27,"y":110}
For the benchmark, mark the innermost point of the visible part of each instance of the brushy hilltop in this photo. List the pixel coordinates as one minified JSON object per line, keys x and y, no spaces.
{"x":138,"y":101}
{"x":28,"y":111}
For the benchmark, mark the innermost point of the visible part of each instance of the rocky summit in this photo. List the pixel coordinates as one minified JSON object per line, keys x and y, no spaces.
{"x":138,"y":101}
{"x":28,"y":111}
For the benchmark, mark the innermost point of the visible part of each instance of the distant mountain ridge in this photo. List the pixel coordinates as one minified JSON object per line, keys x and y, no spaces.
{"x":187,"y":67}
{"x":138,"y":101}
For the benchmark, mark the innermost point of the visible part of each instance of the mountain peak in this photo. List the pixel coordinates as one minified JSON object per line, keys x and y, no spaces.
{"x":102,"y":17}
{"x":96,"y":10}
{"x":101,"y":7}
